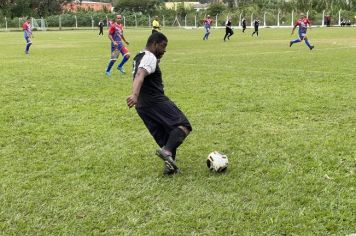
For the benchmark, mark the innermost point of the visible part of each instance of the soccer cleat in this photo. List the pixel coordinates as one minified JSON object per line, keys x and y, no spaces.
{"x":311,"y":48}
{"x":121,"y":70}
{"x":290,"y":44}
{"x":107,"y":73}
{"x":170,"y":167}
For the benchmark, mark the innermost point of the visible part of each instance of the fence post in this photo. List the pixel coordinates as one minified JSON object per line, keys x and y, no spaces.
{"x":308,"y":14}
{"x":149,"y":21}
{"x":251,"y":19}
{"x":19,"y":22}
{"x":195,"y":20}
{"x":279,"y":11}
{"x":76,"y":22}
{"x":240,"y":19}
{"x":339,"y":17}
{"x":185,"y":21}
{"x":60,"y":22}
{"x":323,"y":20}
{"x":135,"y":20}
{"x":163,"y":21}
{"x":92,"y":22}
{"x":216,"y":21}
{"x":264,"y":19}
{"x":292,"y":18}
{"x":124,"y":21}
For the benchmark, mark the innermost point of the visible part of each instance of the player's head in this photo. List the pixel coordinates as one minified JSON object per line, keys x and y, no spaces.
{"x":28,"y":19}
{"x":156,"y":17}
{"x":208,"y":16}
{"x":118,"y":18}
{"x":157,"y":43}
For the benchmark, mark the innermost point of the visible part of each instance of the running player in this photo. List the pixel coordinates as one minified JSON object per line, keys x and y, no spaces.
{"x":116,"y":37}
{"x":228,"y":30}
{"x":207,"y":24}
{"x":303,"y":23}
{"x":27,"y":34}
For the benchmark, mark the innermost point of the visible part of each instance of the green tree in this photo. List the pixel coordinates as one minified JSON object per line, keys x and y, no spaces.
{"x":145,"y":6}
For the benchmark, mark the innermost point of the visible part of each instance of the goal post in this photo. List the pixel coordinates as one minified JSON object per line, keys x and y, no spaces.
{"x":39,"y":24}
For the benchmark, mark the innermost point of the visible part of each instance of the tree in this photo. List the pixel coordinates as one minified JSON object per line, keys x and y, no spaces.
{"x":145,"y":6}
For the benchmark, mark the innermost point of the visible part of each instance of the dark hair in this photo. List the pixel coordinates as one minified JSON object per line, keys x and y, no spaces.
{"x":156,"y":37}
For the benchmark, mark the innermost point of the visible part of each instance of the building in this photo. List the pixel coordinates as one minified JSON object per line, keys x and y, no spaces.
{"x":188,"y":5}
{"x":88,"y":5}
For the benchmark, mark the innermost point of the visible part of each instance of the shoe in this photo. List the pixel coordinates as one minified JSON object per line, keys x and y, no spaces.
{"x":107,"y":73}
{"x":290,"y":44}
{"x":311,"y":48}
{"x":170,"y":167}
{"x":27,"y":53}
{"x":121,"y":70}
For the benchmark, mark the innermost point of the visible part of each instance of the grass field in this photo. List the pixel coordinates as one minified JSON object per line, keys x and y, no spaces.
{"x":74,"y":160}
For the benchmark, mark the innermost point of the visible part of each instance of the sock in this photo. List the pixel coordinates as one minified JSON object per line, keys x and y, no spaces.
{"x":175,"y":139}
{"x":296,"y":41}
{"x":28,"y":46}
{"x":111,"y":63}
{"x":207,"y":35}
{"x":307,"y":43}
{"x":124,"y":60}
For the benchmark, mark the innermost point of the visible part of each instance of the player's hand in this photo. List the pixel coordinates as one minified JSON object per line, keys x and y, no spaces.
{"x":115,"y":44}
{"x":131,"y":100}
{"x":127,"y":43}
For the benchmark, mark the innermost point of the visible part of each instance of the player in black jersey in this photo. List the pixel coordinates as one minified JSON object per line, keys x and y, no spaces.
{"x":256,"y":24}
{"x":229,"y":31}
{"x":163,"y":119}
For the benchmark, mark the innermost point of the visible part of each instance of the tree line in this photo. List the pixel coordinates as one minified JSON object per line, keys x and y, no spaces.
{"x":44,"y":8}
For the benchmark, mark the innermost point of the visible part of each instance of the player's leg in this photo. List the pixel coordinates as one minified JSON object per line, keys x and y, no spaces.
{"x":307,"y":43}
{"x":300,"y":39}
{"x":176,"y":123}
{"x":152,"y":120}
{"x":226,"y":33}
{"x":114,"y":56}
{"x":230,"y":34}
{"x":28,"y":45}
{"x":126,"y":55}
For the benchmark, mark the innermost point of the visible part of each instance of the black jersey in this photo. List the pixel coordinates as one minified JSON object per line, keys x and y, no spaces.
{"x":152,"y":90}
{"x":228,"y":23}
{"x":256,"y":23}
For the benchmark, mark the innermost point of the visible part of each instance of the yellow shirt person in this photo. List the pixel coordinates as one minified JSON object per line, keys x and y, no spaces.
{"x":155,"y":25}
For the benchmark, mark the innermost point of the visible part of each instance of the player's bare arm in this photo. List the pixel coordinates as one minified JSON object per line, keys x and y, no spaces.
{"x":112,"y":40}
{"x":136,"y":86}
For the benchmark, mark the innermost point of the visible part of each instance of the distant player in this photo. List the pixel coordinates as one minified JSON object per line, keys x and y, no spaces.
{"x":228,"y":30}
{"x":27,"y":34}
{"x":116,"y":37}
{"x":207,"y":24}
{"x":155,"y":25}
{"x":256,"y":24}
{"x":243,"y":25}
{"x":101,"y":27}
{"x":302,"y":23}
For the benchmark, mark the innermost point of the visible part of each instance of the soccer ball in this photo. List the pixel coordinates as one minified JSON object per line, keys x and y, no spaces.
{"x":217,"y":161}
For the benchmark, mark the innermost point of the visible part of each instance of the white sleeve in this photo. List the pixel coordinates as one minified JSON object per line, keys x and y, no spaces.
{"x":148,"y":62}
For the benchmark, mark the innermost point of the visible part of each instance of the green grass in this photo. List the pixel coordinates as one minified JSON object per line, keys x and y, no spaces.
{"x":74,"y":160}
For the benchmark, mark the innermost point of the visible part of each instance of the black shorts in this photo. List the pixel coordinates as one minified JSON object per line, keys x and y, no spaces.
{"x":161,"y":118}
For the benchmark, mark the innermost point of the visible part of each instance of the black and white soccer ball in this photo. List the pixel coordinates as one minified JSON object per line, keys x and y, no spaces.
{"x":217,"y":161}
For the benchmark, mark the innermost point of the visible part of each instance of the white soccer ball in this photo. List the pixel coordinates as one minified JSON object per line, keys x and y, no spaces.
{"x":217,"y":161}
